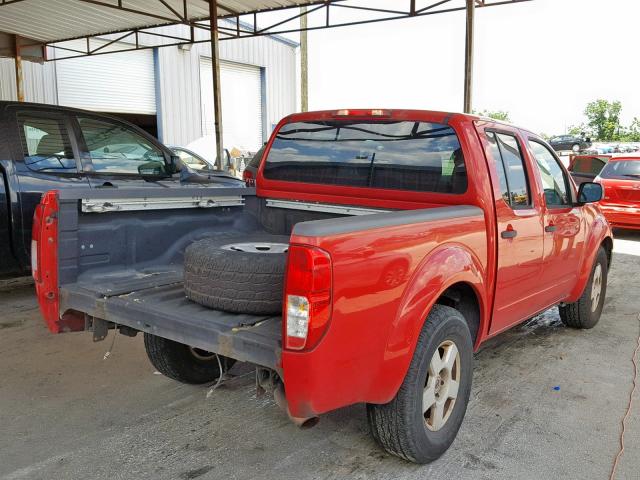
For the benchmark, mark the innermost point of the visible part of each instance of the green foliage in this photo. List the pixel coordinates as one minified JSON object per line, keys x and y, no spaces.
{"x":603,"y":119}
{"x":632,"y":133}
{"x":496,"y":115}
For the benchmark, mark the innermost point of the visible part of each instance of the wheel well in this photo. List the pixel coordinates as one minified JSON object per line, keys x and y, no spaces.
{"x":463,"y":298}
{"x":607,"y":244}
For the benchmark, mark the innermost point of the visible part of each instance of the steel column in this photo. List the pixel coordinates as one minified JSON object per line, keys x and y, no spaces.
{"x":19,"y":72}
{"x":468,"y":57}
{"x":215,"y":65}
{"x":304,"y":62}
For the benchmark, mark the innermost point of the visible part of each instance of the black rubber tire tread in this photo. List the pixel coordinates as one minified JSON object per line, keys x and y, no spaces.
{"x":239,"y":282}
{"x":579,"y":314}
{"x":175,"y":360}
{"x":398,"y":426}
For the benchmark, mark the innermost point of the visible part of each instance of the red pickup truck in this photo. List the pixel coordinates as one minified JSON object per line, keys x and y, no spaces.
{"x":378,"y":251}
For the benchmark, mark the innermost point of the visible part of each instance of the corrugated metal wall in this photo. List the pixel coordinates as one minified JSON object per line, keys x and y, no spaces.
{"x":39,"y":81}
{"x":180,"y":83}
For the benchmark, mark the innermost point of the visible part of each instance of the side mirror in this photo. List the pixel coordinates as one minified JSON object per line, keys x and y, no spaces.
{"x":589,"y":192}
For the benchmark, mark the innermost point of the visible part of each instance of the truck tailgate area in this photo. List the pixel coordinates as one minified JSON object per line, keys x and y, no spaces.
{"x":162,"y":309}
{"x":123,"y":263}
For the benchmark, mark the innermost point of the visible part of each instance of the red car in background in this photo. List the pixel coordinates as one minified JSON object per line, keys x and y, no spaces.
{"x":620,"y":179}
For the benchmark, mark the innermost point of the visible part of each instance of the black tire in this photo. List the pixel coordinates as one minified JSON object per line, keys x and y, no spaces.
{"x":575,"y":148}
{"x":583,"y":313}
{"x":219,"y":277}
{"x":182,"y":363}
{"x":400,"y":426}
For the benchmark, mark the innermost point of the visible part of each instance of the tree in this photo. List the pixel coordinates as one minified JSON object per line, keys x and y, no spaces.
{"x":603,"y":119}
{"x":496,"y":115}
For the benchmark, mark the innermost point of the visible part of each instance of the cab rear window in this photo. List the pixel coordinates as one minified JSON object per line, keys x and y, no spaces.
{"x":400,"y":155}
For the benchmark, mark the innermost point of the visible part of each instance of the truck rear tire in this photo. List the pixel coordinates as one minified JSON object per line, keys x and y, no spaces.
{"x":586,"y":312}
{"x":183,"y":363}
{"x":241,"y":274}
{"x":424,"y":417}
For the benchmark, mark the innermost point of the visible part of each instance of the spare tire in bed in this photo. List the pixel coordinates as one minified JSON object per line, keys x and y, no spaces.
{"x":237,"y":274}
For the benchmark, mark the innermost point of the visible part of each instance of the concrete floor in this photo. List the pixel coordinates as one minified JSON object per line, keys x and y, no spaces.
{"x":67,"y":413}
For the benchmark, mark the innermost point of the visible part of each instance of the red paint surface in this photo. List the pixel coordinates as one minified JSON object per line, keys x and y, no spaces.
{"x":621,"y":202}
{"x":45,"y":232}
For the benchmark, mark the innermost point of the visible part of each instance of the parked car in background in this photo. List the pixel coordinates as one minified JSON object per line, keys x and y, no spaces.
{"x":192,"y":160}
{"x":585,"y":168}
{"x":382,"y":248}
{"x":44,"y":147}
{"x":250,"y":172}
{"x":620,"y":179}
{"x":600,"y":149}
{"x":569,"y":142}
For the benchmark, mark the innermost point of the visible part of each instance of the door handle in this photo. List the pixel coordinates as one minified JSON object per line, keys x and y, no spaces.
{"x":550,"y":228}
{"x":509,"y":233}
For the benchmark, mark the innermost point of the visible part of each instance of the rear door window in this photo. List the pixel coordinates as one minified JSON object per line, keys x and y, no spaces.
{"x":512,"y":174}
{"x":399,"y":155}
{"x":116,"y":148}
{"x":46,"y":145}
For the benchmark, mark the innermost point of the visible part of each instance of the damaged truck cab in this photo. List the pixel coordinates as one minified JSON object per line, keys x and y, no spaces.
{"x":413,"y":237}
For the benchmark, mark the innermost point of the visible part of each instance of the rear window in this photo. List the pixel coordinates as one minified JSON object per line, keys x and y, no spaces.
{"x":591,"y":165}
{"x":45,"y":144}
{"x":406,"y":155}
{"x":624,"y":169}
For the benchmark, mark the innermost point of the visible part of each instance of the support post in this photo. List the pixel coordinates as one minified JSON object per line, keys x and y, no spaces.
{"x":304,"y":62}
{"x":468,"y":58}
{"x":19,"y":72}
{"x":215,"y":65}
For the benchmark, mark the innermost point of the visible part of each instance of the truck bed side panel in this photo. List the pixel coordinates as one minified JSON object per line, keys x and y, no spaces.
{"x":388,"y":270}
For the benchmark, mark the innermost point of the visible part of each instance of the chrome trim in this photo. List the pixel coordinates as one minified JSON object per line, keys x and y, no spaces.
{"x":323,"y":207}
{"x":90,"y":205}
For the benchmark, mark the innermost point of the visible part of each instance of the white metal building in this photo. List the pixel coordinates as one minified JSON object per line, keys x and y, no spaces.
{"x":168,"y":90}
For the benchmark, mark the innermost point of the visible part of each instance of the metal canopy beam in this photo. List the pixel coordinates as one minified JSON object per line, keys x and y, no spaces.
{"x":217,"y":100}
{"x":233,"y":24}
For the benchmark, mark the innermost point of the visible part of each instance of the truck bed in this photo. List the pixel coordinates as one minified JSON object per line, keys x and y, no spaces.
{"x":159,"y":306}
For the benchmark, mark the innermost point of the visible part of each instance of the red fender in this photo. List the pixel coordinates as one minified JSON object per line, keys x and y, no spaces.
{"x":443,"y":267}
{"x":600,"y":230}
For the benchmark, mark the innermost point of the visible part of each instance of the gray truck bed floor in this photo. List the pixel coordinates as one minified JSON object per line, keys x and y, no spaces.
{"x":161,"y":308}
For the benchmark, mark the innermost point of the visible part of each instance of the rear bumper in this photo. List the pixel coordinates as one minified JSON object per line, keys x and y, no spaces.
{"x":622,"y":216}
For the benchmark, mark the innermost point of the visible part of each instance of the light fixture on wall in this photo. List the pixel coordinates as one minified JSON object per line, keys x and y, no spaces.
{"x":185,"y":46}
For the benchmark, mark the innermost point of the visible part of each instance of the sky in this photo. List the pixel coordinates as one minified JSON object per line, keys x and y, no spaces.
{"x":542,"y":61}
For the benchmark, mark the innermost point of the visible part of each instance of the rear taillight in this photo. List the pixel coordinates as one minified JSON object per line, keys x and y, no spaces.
{"x":307,"y":308}
{"x":248,"y":178}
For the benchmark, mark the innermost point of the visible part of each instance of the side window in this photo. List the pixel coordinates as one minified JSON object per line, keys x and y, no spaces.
{"x":554,"y":181}
{"x":502,"y":176}
{"x":115,"y":148}
{"x":515,"y":170}
{"x":583,"y":165}
{"x":45,"y":144}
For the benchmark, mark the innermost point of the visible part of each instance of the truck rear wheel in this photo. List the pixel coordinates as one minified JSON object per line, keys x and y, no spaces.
{"x":182,"y":362}
{"x":586,"y":312}
{"x":423,"y":419}
{"x":241,"y":274}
